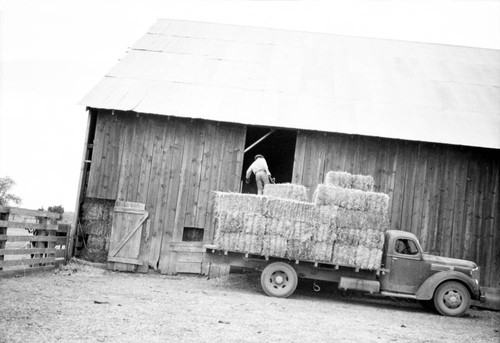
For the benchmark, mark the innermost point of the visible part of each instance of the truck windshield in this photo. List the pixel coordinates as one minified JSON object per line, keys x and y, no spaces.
{"x":406,"y":247}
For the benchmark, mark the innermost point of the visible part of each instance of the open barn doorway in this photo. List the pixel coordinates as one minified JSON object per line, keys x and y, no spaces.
{"x":278,"y":148}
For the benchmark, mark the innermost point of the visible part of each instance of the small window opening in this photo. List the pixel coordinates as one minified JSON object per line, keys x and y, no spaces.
{"x":192,"y":234}
{"x":406,"y":247}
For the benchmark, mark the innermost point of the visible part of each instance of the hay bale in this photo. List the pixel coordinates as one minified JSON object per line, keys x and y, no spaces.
{"x":351,"y":199}
{"x":362,"y":257}
{"x":324,"y":231}
{"x":286,"y":191}
{"x":361,"y":220}
{"x":321,"y":251}
{"x":253,"y":244}
{"x":274,"y":245}
{"x":290,"y":209}
{"x":372,"y":239}
{"x":346,"y":180}
{"x":237,"y":202}
{"x":344,"y":254}
{"x":259,"y":224}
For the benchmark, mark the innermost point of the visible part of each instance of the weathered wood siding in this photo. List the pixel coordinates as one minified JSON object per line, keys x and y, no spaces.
{"x":446,"y":195}
{"x":171,"y":165}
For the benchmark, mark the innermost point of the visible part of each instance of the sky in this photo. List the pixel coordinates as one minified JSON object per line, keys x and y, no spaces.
{"x":53,"y":52}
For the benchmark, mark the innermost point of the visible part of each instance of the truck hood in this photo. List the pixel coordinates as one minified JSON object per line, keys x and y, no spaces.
{"x":447,"y":261}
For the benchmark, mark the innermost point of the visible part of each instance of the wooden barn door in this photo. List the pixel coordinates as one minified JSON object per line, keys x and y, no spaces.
{"x":128,"y":249}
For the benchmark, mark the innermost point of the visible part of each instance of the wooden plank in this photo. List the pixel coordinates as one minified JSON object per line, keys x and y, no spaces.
{"x":299,"y":157}
{"x":194,"y":170}
{"x":411,"y":151}
{"x":189,"y":257}
{"x":399,"y":173}
{"x":184,"y":186}
{"x":214,"y":179}
{"x":28,"y":270}
{"x":27,"y":261}
{"x":487,"y":229}
{"x":188,"y":267}
{"x":173,"y":195}
{"x":144,"y":246}
{"x":429,"y":207}
{"x":202,"y":211}
{"x":239,"y":155}
{"x":160,"y":205}
{"x":21,"y":225}
{"x":28,"y":251}
{"x":96,"y":158}
{"x":33,"y":213}
{"x":195,"y":247}
{"x":140,"y":148}
{"x":226,"y":171}
{"x":146,"y":160}
{"x":492,"y":276}
{"x":28,"y":238}
{"x":126,"y":154}
{"x":106,"y":163}
{"x":478,"y":213}
{"x":114,"y":159}
{"x":149,"y":233}
{"x":122,"y":209}
{"x":126,"y":260}
{"x":419,"y":190}
{"x":460,"y":213}
{"x":446,"y":204}
{"x":470,"y":192}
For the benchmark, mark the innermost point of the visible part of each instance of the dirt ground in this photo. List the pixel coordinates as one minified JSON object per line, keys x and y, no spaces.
{"x":80,"y":303}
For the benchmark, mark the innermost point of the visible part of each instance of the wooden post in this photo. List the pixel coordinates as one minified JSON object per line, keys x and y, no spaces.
{"x":79,"y":196}
{"x":3,"y":231}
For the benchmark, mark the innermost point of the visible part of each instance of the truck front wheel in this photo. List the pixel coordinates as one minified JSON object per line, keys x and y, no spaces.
{"x":279,"y":279}
{"x":452,"y":299}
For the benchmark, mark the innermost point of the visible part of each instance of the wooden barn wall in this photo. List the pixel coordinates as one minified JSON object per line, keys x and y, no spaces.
{"x":446,"y":195}
{"x":171,"y":165}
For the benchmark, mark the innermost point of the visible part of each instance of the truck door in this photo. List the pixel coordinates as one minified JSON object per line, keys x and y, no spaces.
{"x":404,"y":260}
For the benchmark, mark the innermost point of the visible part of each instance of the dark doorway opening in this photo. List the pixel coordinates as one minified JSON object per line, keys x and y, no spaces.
{"x":278,"y":149}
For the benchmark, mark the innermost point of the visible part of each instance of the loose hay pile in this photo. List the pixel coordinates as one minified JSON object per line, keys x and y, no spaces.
{"x":343,"y":226}
{"x":286,"y":191}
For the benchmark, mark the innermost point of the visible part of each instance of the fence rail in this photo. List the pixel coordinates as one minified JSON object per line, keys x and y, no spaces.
{"x":31,"y":240}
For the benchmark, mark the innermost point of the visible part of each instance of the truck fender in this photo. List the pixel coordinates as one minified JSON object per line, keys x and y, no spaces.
{"x":426,"y":290}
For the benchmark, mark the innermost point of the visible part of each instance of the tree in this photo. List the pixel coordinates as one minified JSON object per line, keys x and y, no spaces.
{"x":57,"y":209}
{"x":6,"y":183}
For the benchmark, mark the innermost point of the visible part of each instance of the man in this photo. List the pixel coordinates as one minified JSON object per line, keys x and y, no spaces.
{"x":261,"y":171}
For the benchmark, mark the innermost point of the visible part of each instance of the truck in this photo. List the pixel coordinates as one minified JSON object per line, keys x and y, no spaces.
{"x":447,"y":285}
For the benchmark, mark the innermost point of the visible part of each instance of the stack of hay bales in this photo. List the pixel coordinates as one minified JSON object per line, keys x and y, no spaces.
{"x":345,"y":225}
{"x":360,"y":215}
{"x":264,"y":225}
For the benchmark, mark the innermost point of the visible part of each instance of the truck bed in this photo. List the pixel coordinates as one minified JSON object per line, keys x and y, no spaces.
{"x":316,"y":270}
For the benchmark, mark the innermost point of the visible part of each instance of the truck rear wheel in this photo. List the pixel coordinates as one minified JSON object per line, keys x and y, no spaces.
{"x":279,"y":279}
{"x":452,"y":299}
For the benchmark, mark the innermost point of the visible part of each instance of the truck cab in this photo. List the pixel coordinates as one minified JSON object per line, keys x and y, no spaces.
{"x":447,"y":284}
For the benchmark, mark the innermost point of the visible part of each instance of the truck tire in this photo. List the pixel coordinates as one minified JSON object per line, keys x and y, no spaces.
{"x":452,"y":299}
{"x":279,"y":279}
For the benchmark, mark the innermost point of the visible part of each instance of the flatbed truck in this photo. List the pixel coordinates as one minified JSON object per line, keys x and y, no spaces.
{"x":445,"y":284}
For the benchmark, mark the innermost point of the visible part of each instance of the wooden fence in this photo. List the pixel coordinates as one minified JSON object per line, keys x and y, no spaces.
{"x":30,"y":240}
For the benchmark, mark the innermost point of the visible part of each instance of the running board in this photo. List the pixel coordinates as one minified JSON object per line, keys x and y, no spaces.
{"x":398,"y":295}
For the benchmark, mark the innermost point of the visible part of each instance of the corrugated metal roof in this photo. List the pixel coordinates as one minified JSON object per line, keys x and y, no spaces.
{"x":374,"y":87}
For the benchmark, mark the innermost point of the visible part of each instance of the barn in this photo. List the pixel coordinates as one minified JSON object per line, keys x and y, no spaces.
{"x":191,"y":103}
